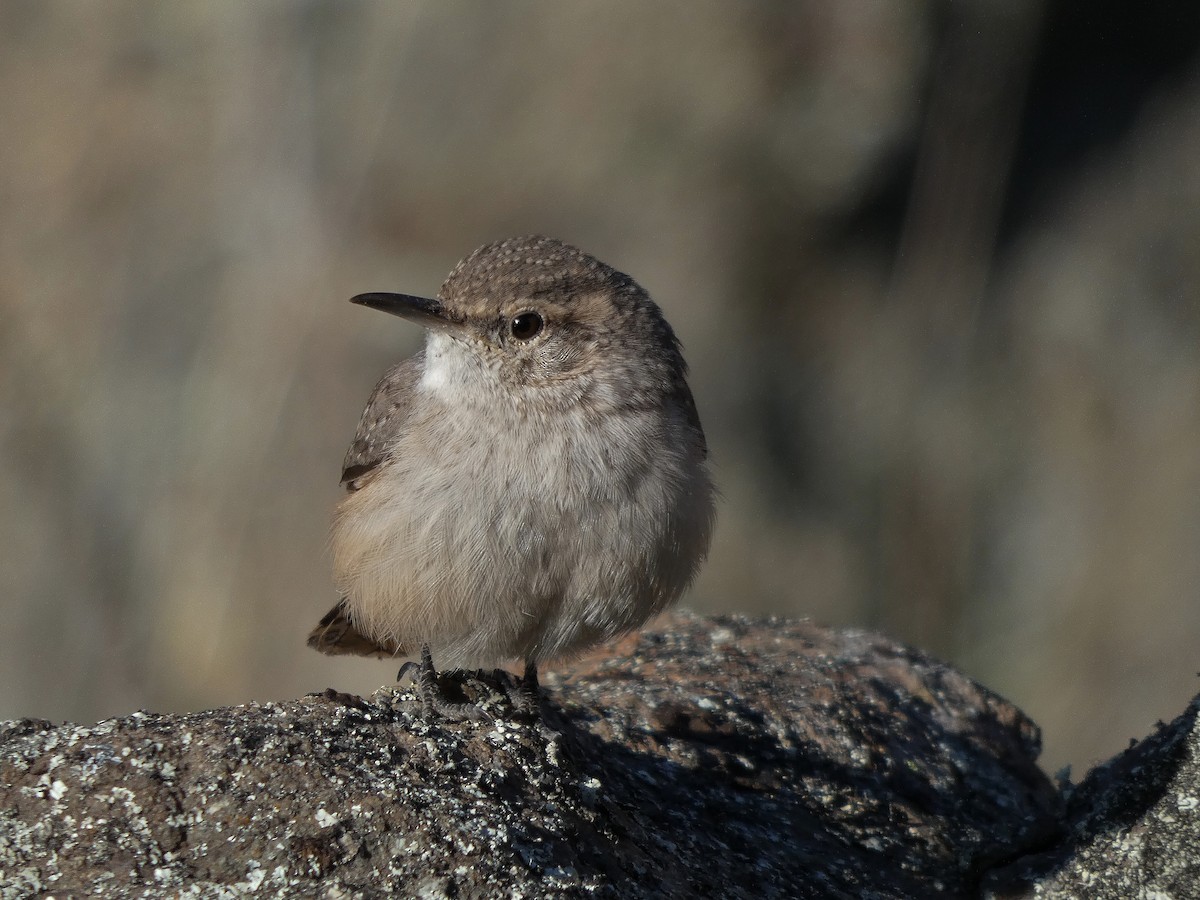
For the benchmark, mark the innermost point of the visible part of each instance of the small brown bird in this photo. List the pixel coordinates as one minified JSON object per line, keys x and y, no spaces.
{"x":529,"y":485}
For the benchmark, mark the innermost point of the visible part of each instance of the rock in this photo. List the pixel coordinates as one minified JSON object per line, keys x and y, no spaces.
{"x":1132,"y":827}
{"x":708,"y":757}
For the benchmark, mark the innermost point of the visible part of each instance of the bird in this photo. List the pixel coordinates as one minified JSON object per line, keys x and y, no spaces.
{"x":532,"y":483}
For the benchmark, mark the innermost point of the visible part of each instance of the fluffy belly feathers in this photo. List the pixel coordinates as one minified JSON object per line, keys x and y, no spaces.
{"x":540,"y":554}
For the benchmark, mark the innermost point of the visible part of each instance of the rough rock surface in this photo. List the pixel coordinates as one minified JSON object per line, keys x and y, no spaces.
{"x":708,"y":757}
{"x":1133,"y":827}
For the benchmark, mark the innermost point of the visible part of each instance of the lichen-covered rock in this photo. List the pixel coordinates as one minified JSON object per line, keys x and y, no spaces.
{"x":1132,"y":827}
{"x":709,"y":757}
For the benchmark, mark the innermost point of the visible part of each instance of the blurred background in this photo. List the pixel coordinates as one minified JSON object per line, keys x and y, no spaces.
{"x":936,"y":267}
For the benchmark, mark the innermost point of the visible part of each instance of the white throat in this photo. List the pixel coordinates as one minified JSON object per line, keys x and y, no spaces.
{"x":452,"y":372}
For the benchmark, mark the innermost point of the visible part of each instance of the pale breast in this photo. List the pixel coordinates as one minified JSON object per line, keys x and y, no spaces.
{"x":496,"y":531}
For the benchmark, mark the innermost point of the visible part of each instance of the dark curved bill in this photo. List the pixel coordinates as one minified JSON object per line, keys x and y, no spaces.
{"x":423,"y":310}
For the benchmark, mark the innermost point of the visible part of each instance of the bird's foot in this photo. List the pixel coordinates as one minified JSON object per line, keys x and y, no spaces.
{"x":523,"y":693}
{"x":437,"y":700}
{"x":464,"y":695}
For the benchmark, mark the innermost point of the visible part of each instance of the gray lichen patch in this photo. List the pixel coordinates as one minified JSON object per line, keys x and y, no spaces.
{"x":728,"y":758}
{"x":272,"y":798}
{"x":1131,"y":829}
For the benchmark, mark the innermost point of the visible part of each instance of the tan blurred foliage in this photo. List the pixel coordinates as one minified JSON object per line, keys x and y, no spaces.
{"x":993,"y":452}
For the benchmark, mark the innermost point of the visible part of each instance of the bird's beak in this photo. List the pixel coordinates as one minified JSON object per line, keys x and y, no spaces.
{"x":423,"y":310}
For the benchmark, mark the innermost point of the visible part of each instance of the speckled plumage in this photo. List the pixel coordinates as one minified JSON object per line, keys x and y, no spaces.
{"x":522,"y":498}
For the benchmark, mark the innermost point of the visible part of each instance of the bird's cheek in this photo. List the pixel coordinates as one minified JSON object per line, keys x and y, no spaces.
{"x":561,"y":358}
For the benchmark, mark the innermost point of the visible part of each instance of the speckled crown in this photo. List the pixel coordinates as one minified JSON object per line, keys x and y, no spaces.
{"x":530,"y":265}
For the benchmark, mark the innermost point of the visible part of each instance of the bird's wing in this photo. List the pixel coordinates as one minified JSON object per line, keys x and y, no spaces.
{"x":381,"y":421}
{"x":336,"y":635}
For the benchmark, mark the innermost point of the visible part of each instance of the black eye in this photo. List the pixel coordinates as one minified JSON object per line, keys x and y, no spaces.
{"x":526,"y":325}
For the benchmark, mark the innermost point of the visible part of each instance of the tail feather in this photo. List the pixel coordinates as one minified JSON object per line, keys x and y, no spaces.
{"x":336,"y":635}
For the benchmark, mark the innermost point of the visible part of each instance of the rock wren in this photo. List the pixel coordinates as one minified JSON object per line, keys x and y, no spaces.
{"x":530,"y":484}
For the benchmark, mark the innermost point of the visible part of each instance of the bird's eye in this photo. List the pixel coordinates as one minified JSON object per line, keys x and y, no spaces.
{"x":526,"y":325}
